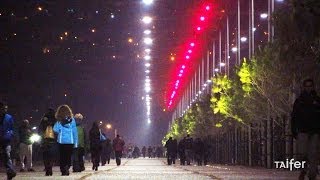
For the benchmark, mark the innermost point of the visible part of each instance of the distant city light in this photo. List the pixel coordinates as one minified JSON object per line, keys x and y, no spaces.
{"x":147,"y":32}
{"x":130,"y":40}
{"x":202,"y":18}
{"x":234,"y":49}
{"x":263,"y":15}
{"x":147,"y":2}
{"x":147,"y":41}
{"x":147,"y":19}
{"x":147,"y":57}
{"x":243,"y":39}
{"x":222,"y":64}
{"x":147,"y":64}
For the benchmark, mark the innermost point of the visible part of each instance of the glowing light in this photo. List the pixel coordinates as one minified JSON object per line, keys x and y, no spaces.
{"x":147,"y":41}
{"x":35,"y":138}
{"x":93,"y":30}
{"x":207,"y":8}
{"x":147,"y":50}
{"x":183,"y":66}
{"x":189,"y":51}
{"x":147,"y":32}
{"x":147,"y":2}
{"x":234,"y":49}
{"x":147,"y":57}
{"x":243,"y":39}
{"x":147,"y":64}
{"x":147,"y":19}
{"x":112,"y":16}
{"x":216,"y":70}
{"x":108,"y":126}
{"x":130,"y":40}
{"x":192,"y":44}
{"x":187,"y":57}
{"x":198,"y":28}
{"x":66,"y":33}
{"x":264,"y":16}
{"x":202,"y":18}
{"x":172,"y":58}
{"x":40,"y":8}
{"x":222,"y":64}
{"x":147,"y":89}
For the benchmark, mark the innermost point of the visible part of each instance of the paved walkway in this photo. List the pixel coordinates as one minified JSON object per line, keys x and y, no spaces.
{"x":156,"y":169}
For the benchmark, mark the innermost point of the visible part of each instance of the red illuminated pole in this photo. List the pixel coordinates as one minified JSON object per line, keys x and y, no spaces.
{"x":238,"y":36}
{"x":228,"y":48}
{"x":213,"y":57}
{"x":250,"y":30}
{"x":220,"y":50}
{"x":252,"y":26}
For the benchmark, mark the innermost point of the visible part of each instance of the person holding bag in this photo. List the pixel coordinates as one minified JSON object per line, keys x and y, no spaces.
{"x":48,"y":140}
{"x":67,"y":139}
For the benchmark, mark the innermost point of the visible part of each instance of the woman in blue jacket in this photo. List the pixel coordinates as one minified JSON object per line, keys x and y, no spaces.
{"x":67,"y":138}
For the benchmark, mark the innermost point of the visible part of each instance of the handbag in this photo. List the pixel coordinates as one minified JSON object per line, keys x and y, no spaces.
{"x":49,"y":134}
{"x":102,"y":137}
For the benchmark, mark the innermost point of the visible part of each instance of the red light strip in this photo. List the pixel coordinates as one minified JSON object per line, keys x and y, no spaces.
{"x":200,"y":27}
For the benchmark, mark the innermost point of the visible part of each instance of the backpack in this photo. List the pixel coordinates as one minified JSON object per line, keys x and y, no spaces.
{"x":48,"y":133}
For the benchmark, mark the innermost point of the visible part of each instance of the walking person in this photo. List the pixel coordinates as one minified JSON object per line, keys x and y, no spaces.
{"x":181,"y":151}
{"x":188,"y":149}
{"x":118,"y":145}
{"x":107,"y":150}
{"x":49,"y":141}
{"x":95,"y":145}
{"x":170,"y":150}
{"x":198,"y":150}
{"x":144,"y":151}
{"x":25,"y":146}
{"x":149,"y":151}
{"x":6,"y":136}
{"x":305,"y":127}
{"x":79,"y":152}
{"x":67,"y":139}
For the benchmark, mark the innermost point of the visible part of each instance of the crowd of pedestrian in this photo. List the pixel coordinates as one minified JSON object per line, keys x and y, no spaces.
{"x":188,"y":151}
{"x":63,"y":142}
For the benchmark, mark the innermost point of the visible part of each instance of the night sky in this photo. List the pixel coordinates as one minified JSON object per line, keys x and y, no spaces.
{"x":77,"y":52}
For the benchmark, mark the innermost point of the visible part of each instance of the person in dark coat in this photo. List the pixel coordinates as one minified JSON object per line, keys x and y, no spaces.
{"x":144,"y":151}
{"x":49,"y":142}
{"x":174,"y":151}
{"x":136,"y":152}
{"x":189,"y":149}
{"x":159,"y":152}
{"x":79,"y":152}
{"x":181,"y":151}
{"x":170,"y":145}
{"x":95,"y":145}
{"x":6,"y":136}
{"x":207,"y":150}
{"x":305,"y":127}
{"x":198,"y":150}
{"x":106,"y":151}
{"x":149,"y":151}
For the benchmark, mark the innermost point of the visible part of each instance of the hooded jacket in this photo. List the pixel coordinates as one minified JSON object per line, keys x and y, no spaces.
{"x":67,"y":132}
{"x":6,"y":128}
{"x":306,"y":114}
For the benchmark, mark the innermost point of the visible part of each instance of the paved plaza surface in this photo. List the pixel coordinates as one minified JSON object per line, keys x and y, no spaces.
{"x":154,"y":169}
